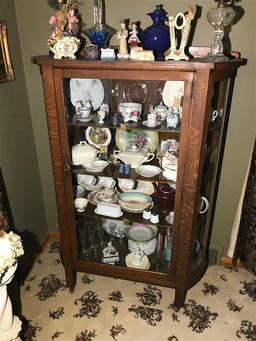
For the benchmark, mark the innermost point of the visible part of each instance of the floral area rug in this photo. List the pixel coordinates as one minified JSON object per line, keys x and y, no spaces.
{"x":222,"y":306}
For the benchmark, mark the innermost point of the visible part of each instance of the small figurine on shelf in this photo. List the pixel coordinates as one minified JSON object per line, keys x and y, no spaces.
{"x":174,"y":52}
{"x":133,"y":40}
{"x":63,"y":41}
{"x":122,"y":37}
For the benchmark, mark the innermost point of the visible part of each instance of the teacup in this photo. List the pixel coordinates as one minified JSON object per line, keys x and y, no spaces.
{"x":151,"y":120}
{"x":126,"y":184}
{"x":86,"y":180}
{"x":84,"y":112}
{"x":80,"y":204}
{"x":106,"y":182}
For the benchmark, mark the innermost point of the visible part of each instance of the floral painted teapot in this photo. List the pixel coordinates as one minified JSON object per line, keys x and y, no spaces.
{"x":161,"y":111}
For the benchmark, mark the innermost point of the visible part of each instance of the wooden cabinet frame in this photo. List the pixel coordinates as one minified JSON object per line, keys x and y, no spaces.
{"x":199,"y":78}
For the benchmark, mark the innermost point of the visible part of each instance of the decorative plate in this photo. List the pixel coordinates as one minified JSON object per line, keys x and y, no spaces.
{"x":138,"y":91}
{"x":98,"y":136}
{"x":95,"y":197}
{"x":146,"y":187}
{"x":87,"y":90}
{"x":139,"y":138}
{"x":171,"y":90}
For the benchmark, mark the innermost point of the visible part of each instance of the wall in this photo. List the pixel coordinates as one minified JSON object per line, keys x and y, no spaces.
{"x":18,"y":158}
{"x":33,"y":17}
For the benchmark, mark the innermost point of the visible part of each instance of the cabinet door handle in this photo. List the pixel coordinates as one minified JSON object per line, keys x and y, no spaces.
{"x":66,"y":166}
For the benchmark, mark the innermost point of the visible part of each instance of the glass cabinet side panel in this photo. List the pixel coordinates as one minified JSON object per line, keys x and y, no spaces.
{"x":123,"y":140}
{"x":210,"y":168}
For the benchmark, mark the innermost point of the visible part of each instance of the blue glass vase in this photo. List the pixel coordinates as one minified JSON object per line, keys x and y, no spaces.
{"x":157,"y":36}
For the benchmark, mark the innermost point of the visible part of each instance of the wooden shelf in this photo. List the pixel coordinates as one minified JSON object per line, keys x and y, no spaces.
{"x":128,"y":217}
{"x":112,"y":171}
{"x":73,"y":122}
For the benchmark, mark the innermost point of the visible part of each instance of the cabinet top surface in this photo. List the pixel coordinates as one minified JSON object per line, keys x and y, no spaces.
{"x":191,"y":65}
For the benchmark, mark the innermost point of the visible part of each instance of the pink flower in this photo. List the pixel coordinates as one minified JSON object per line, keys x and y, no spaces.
{"x":53,"y":20}
{"x":72,"y":20}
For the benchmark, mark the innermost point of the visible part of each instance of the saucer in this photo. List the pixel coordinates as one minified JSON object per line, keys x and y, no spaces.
{"x":158,"y":123}
{"x":170,"y":175}
{"x":84,"y":119}
{"x":145,"y":264}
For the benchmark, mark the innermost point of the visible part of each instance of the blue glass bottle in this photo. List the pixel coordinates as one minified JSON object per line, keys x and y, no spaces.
{"x":157,"y":36}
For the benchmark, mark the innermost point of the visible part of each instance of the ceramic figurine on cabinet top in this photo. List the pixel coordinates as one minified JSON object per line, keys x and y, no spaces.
{"x":133,"y":40}
{"x":156,"y":37}
{"x":174,"y":53}
{"x":122,"y":37}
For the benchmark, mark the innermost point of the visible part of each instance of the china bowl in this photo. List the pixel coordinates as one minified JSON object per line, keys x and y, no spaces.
{"x":130,"y":111}
{"x":141,"y":232}
{"x":95,"y":166}
{"x":148,"y":171}
{"x":134,"y":200}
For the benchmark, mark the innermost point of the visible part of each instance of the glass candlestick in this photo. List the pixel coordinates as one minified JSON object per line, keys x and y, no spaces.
{"x":219,"y":18}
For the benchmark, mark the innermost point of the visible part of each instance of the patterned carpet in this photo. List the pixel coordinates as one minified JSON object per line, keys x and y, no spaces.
{"x":221,"y":307}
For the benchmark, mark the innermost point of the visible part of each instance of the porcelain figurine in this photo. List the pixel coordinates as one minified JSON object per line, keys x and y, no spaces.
{"x":133,"y":40}
{"x":184,"y":27}
{"x":137,"y":53}
{"x":122,"y":37}
{"x":172,"y":119}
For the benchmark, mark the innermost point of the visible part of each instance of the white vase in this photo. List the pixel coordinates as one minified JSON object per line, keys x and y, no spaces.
{"x":10,"y":325}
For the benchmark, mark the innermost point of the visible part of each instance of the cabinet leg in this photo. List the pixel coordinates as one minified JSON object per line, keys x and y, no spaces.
{"x":179,"y":299}
{"x":70,"y":279}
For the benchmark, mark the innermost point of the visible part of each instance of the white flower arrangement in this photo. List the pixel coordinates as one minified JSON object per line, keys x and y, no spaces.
{"x":10,"y":249}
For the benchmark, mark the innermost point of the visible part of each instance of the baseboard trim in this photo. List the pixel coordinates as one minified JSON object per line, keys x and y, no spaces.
{"x":228,"y":261}
{"x":48,"y":237}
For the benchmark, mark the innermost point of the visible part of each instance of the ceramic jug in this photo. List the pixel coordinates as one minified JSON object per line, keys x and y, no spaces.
{"x":157,"y":36}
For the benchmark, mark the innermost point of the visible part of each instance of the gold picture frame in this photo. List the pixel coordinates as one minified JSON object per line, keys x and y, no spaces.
{"x":6,"y":69}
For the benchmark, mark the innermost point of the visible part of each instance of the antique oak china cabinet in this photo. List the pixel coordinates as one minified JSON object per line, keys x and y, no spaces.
{"x":97,"y":241}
